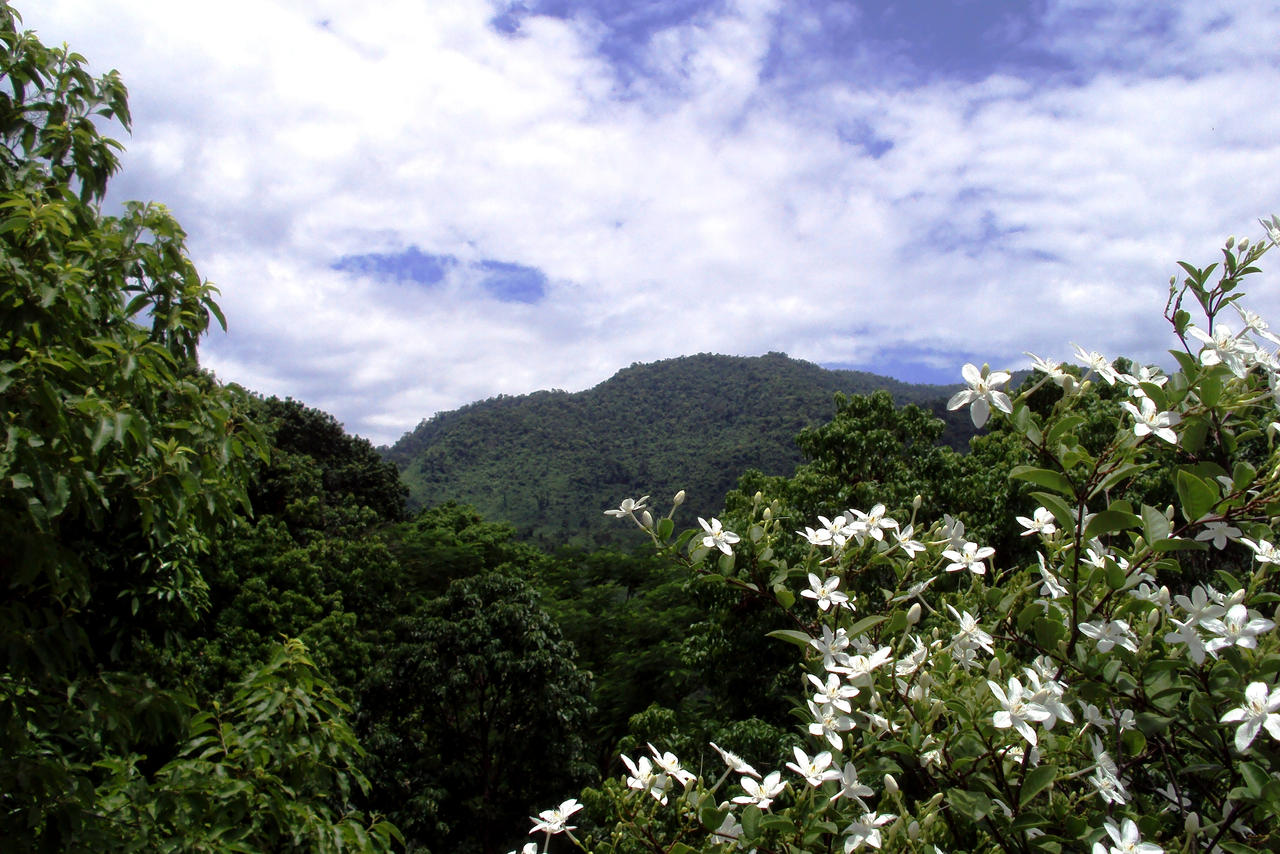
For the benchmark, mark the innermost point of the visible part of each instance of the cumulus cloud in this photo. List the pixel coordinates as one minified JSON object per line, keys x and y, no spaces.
{"x":409,"y":206}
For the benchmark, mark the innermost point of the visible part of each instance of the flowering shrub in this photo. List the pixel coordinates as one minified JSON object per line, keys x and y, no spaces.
{"x":1118,"y":694}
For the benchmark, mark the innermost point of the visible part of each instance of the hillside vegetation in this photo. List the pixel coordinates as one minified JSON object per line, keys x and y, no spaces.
{"x":550,"y":462}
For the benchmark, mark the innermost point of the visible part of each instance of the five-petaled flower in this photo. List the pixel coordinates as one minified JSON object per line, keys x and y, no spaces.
{"x":982,"y":393}
{"x":556,"y":820}
{"x":1017,"y":711}
{"x":1127,"y":840}
{"x":1260,"y":709}
{"x":716,"y":536}
{"x":1149,"y":421}
{"x":970,"y":557}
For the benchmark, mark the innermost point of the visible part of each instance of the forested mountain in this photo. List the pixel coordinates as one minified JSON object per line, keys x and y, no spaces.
{"x":550,"y":462}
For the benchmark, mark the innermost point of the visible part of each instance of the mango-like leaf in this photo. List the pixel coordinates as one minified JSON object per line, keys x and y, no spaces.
{"x":1037,"y":780}
{"x":1047,"y":478}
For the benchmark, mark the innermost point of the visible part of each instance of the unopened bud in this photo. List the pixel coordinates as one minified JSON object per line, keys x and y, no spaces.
{"x":768,"y":513}
{"x":913,"y":830}
{"x":917,"y":501}
{"x":1153,"y":618}
{"x":1243,"y":244}
{"x":678,"y":500}
{"x":929,"y":819}
{"x":913,"y":614}
{"x":1191,"y":823}
{"x":1231,"y":241}
{"x":890,"y":785}
{"x":647,"y":519}
{"x":758,"y":497}
{"x":1168,"y":512}
{"x":993,"y":669}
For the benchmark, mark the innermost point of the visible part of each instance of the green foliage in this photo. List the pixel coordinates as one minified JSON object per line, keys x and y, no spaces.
{"x":1112,"y":690}
{"x":121,"y":464}
{"x":550,"y":462}
{"x":273,"y":771}
{"x":474,"y":715}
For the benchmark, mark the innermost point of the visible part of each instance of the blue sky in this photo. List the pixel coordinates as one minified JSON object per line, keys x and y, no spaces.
{"x":408,"y":206}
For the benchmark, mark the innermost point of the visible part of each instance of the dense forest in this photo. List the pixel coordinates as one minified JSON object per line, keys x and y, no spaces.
{"x":548,"y":462}
{"x":226,"y":627}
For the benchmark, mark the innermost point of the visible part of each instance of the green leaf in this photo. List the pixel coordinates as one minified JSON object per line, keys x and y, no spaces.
{"x":1109,"y":521}
{"x":1196,"y":496}
{"x":971,"y":805}
{"x":665,"y":527}
{"x":1179,"y":544}
{"x":1155,"y":525}
{"x":1056,"y":481}
{"x":790,"y":636}
{"x":865,"y":623}
{"x":1037,"y":780}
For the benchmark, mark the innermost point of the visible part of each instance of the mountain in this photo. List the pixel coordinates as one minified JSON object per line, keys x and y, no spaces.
{"x":551,"y":462}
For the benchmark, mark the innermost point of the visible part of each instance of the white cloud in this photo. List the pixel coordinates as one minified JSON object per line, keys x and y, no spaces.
{"x":697,"y":209}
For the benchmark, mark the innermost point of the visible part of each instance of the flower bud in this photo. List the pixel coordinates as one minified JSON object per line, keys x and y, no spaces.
{"x":993,"y":669}
{"x":1153,"y":618}
{"x":913,"y":614}
{"x":913,"y":830}
{"x":758,"y":497}
{"x":1231,"y":241}
{"x":1243,"y":244}
{"x":1191,"y":824}
{"x":768,"y":513}
{"x":646,"y":518}
{"x":917,"y":501}
{"x":678,"y":500}
{"x":890,"y":785}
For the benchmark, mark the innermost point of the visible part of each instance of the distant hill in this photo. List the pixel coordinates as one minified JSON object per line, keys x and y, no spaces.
{"x":551,"y":462}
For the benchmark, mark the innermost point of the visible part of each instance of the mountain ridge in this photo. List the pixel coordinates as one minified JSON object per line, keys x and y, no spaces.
{"x":550,"y":462}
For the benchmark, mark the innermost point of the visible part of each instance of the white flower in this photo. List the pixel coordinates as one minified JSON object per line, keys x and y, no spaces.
{"x":671,"y":765}
{"x":850,"y":787}
{"x":1260,"y":710}
{"x":839,"y":530}
{"x":1148,"y":421}
{"x":1186,"y":633}
{"x":1127,"y":840}
{"x":1110,"y":633}
{"x":1054,"y":369}
{"x":556,"y":820}
{"x":906,"y":542}
{"x":1017,"y":711}
{"x":1218,"y":533}
{"x":1095,"y":361}
{"x":1223,"y":347}
{"x":644,"y":779}
{"x":865,"y":831}
{"x":982,"y":393}
{"x":717,"y":537}
{"x":970,"y":635}
{"x":970,"y":557}
{"x":833,"y":692}
{"x":815,"y":771}
{"x":1108,"y":786}
{"x":761,"y":792}
{"x":832,"y":646}
{"x":828,"y":724}
{"x":1041,"y":522}
{"x":730,"y":830}
{"x":1201,"y":607}
{"x":735,"y":762}
{"x":875,"y":523}
{"x":1238,"y":628}
{"x":1263,"y":551}
{"x":628,"y":507}
{"x":1051,"y":587}
{"x":825,"y":592}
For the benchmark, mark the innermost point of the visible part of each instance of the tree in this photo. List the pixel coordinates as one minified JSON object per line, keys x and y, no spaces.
{"x":121,"y":462}
{"x":476,"y":713}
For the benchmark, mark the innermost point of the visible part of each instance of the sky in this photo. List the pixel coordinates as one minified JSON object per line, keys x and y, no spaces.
{"x":409,"y":205}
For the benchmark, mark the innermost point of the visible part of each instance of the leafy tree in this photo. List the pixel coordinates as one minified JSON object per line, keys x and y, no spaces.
{"x":475,"y":715}
{"x":121,"y":463}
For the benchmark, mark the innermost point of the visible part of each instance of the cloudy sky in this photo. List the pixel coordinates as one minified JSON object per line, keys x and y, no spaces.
{"x":412,"y":204}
